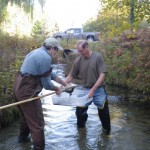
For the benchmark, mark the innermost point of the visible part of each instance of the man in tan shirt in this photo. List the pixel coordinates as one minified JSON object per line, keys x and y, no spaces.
{"x":90,"y":68}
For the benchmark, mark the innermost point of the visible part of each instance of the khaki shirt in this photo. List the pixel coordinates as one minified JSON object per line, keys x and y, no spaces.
{"x":88,"y":69}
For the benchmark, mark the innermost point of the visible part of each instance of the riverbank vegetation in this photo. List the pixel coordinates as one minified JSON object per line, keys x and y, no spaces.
{"x":128,"y":62}
{"x":124,"y":43}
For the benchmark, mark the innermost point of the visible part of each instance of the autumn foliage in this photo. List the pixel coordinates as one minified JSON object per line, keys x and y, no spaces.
{"x":129,"y":61}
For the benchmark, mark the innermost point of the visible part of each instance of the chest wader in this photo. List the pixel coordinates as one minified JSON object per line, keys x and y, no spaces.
{"x":32,"y":120}
{"x":81,"y":114}
{"x":105,"y":118}
{"x":103,"y":113}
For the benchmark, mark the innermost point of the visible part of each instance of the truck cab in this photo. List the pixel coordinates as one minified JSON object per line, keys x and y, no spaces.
{"x":77,"y":33}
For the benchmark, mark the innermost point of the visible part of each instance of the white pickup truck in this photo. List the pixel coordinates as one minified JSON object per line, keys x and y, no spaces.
{"x":77,"y":33}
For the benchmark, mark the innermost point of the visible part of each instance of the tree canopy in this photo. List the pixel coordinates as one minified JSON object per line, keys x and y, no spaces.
{"x":117,"y":16}
{"x":27,"y":5}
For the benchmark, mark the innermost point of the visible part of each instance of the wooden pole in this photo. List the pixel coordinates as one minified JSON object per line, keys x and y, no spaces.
{"x":34,"y":98}
{"x":25,"y":101}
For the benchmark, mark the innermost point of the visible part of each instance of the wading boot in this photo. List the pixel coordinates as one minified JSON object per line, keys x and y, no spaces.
{"x":23,"y":139}
{"x":36,"y":147}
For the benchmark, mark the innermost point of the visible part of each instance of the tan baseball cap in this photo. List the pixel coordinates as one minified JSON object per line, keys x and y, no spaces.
{"x":52,"y":42}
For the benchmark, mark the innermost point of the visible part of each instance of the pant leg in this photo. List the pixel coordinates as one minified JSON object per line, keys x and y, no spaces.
{"x":35,"y":120}
{"x":24,"y":129}
{"x":105,"y":117}
{"x":25,"y":88}
{"x":81,"y":114}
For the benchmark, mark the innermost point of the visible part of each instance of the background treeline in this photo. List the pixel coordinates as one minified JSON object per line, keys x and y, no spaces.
{"x":124,"y":42}
{"x":117,"y":16}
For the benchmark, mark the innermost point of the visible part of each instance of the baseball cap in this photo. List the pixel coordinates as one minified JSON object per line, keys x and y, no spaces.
{"x":52,"y":42}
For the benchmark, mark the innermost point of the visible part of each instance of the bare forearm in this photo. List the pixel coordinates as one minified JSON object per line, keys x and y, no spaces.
{"x":68,"y":79}
{"x":58,"y":80}
{"x":99,"y":81}
{"x":97,"y":84}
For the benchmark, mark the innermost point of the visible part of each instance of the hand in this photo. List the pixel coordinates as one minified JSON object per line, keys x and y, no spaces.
{"x":65,"y":87}
{"x":58,"y":91}
{"x":65,"y":84}
{"x":91,"y":93}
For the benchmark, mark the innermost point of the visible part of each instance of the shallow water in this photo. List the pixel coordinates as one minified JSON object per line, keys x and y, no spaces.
{"x":130,"y":129}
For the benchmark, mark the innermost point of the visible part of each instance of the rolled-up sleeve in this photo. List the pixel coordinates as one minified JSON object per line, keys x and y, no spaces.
{"x":53,"y":76}
{"x":75,"y":69}
{"x":46,"y":83}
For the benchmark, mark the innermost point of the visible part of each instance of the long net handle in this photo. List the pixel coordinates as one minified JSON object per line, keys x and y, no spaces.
{"x":34,"y":98}
{"x":25,"y":101}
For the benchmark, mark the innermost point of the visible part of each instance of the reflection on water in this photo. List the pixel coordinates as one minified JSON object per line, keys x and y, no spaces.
{"x":130,"y":129}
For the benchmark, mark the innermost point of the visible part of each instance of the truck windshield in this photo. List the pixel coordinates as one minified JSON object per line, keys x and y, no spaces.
{"x":77,"y":30}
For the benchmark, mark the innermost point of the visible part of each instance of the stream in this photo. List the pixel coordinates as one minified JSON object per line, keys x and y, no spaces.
{"x":130,"y":126}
